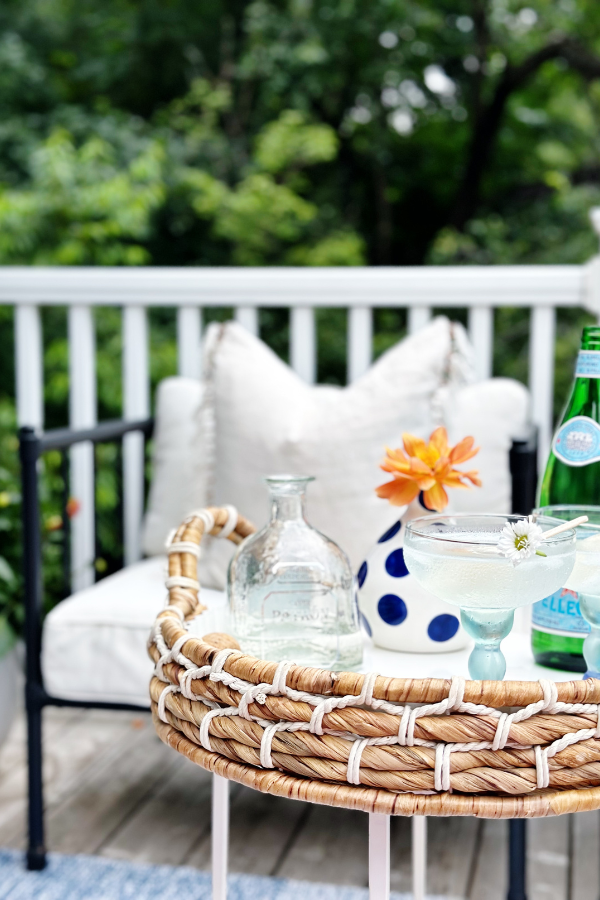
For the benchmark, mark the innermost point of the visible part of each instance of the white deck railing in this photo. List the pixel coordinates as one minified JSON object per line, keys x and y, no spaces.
{"x":542,"y":289}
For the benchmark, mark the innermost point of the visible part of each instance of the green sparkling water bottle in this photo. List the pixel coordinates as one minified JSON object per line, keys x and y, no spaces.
{"x":572,"y":477}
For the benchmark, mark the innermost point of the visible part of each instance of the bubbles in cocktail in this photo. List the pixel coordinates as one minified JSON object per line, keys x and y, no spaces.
{"x":464,"y":568}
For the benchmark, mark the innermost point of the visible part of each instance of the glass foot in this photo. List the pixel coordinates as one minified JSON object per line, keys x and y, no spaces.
{"x":591,"y":644}
{"x":487,"y":627}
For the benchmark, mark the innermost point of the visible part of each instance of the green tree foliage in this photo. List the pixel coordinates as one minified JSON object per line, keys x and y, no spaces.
{"x":287,"y":132}
{"x":395,"y":132}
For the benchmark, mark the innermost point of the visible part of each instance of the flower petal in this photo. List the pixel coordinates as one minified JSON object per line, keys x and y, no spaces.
{"x":439,"y":439}
{"x":414,"y":446}
{"x":463,"y":451}
{"x":436,"y":498}
{"x":397,"y":454}
{"x":391,"y":465}
{"x":418,"y":467}
{"x":425,"y":482}
{"x":399,"y":493}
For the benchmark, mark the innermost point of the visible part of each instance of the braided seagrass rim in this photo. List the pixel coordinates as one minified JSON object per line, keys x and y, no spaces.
{"x":399,"y":746}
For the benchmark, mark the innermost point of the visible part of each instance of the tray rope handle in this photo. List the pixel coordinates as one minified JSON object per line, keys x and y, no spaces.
{"x":183,"y":550}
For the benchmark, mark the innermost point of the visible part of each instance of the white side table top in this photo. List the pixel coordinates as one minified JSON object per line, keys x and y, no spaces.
{"x":516,"y":648}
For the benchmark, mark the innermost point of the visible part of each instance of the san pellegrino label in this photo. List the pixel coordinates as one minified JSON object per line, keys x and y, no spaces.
{"x":572,"y":476}
{"x":588,"y":364}
{"x":560,"y":614}
{"x":577,"y":442}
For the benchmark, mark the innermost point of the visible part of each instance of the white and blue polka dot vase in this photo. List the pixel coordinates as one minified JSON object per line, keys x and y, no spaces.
{"x":396,"y":611}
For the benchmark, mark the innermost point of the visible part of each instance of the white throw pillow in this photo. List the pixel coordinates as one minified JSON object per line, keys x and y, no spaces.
{"x":269,"y":421}
{"x":494,"y":412}
{"x":181,"y":461}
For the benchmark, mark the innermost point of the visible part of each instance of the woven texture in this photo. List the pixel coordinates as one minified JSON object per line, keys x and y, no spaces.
{"x":398,"y":746}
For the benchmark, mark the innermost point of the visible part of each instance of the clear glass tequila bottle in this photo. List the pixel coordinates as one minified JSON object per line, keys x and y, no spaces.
{"x":291,"y":590}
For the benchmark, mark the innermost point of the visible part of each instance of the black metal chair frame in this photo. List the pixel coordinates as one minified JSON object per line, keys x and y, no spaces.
{"x":32,"y":445}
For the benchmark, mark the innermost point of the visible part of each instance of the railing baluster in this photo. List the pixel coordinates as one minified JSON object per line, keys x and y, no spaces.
{"x":360,"y":341}
{"x":303,"y":344}
{"x":418,"y":317}
{"x":189,"y":341}
{"x":541,"y":374}
{"x":248,"y":317}
{"x":481,"y":332}
{"x":82,"y":414}
{"x":29,"y":366}
{"x":136,"y":405}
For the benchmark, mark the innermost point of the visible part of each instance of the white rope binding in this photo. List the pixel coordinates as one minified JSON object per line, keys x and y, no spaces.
{"x":322,"y":706}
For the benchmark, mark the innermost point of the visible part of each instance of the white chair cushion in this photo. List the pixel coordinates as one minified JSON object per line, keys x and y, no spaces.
{"x":94,"y":642}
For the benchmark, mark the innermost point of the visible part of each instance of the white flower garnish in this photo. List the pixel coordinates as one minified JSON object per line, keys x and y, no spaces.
{"x":520,"y":540}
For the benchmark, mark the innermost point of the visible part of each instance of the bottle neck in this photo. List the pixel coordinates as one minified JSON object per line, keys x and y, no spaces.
{"x":287,"y":506}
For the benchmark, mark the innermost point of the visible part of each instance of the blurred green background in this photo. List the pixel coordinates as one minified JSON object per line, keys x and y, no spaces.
{"x":297,"y":132}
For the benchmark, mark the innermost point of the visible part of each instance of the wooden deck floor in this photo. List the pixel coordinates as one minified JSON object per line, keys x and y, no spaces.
{"x":113,"y":789}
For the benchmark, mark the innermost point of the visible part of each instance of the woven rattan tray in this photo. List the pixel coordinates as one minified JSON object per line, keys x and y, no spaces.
{"x":400,"y":746}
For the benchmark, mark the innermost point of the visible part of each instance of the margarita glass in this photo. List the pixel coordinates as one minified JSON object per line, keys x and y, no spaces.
{"x":456,"y":557}
{"x":585,"y":577}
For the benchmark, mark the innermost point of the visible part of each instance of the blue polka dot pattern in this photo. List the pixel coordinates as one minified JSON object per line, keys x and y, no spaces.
{"x":395,"y":565}
{"x":365,"y":624}
{"x":392,"y":609}
{"x":443,"y":627}
{"x":362,"y":574}
{"x":390,"y":533}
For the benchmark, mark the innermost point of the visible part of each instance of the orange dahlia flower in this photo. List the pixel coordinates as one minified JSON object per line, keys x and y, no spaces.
{"x":427,"y":467}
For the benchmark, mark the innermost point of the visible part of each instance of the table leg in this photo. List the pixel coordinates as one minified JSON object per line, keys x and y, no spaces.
{"x":517,"y":859}
{"x":419,"y":856}
{"x":220,"y":836}
{"x":379,"y":856}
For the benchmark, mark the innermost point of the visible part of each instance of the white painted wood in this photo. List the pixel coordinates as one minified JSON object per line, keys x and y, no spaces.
{"x":360,"y":341}
{"x":220,"y":837}
{"x":585,"y":865}
{"x":248,"y":317}
{"x":548,"y":858}
{"x":303,"y":343}
{"x":331,"y":846}
{"x":379,"y":856}
{"x":311,"y":286}
{"x":541,"y":375}
{"x":82,"y":414}
{"x":418,"y":317}
{"x":189,"y":341}
{"x":29,"y":370}
{"x":136,"y":405}
{"x":419,"y":856}
{"x":481,"y":333}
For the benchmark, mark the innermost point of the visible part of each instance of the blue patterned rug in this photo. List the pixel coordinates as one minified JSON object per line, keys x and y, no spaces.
{"x":96,"y":878}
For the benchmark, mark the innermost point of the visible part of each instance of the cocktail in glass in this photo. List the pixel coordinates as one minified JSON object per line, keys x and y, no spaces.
{"x":585,"y":577}
{"x":456,"y":557}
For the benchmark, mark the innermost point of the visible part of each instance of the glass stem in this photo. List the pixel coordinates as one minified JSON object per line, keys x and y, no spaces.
{"x":487,"y":627}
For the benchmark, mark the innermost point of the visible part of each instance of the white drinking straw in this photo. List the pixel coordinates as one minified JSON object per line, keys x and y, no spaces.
{"x":564,"y":527}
